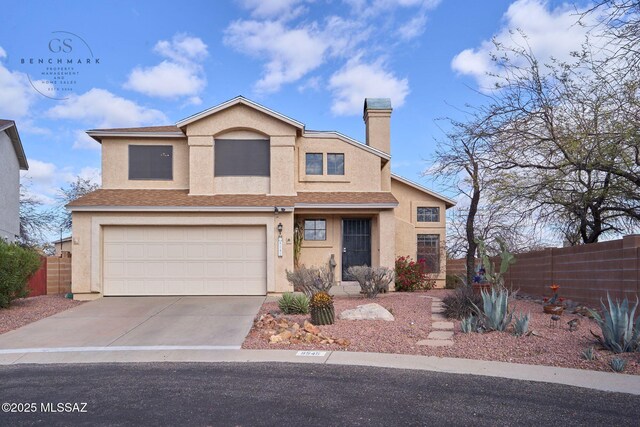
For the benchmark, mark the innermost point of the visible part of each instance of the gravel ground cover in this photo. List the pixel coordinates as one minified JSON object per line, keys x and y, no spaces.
{"x":551,"y":345}
{"x":27,"y":310}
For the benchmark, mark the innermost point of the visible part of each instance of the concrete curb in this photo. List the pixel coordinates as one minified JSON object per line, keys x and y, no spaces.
{"x":603,"y":381}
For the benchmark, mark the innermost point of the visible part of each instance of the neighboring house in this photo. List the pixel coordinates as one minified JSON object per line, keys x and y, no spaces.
{"x":12,"y":161}
{"x":63,"y":245}
{"x":208,"y":206}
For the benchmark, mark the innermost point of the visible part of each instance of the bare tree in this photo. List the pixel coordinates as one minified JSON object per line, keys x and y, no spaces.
{"x":460,"y":163}
{"x":73,"y":191}
{"x":565,"y":140}
{"x":35,"y":219}
{"x":619,"y":19}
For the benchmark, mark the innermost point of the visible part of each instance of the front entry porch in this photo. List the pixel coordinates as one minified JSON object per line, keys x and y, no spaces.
{"x":350,"y":237}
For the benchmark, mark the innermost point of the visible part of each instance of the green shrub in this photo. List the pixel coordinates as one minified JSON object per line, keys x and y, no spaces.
{"x":411,"y":275}
{"x":17,"y":264}
{"x":453,"y":281}
{"x":619,"y":333}
{"x":461,"y":303}
{"x":291,"y":303}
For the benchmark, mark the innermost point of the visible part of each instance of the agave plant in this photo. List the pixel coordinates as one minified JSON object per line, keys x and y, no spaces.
{"x":618,"y":364}
{"x":619,"y":333}
{"x":495,"y":314}
{"x":469,"y":324}
{"x":589,"y":354}
{"x":291,"y":303}
{"x":521,"y":324}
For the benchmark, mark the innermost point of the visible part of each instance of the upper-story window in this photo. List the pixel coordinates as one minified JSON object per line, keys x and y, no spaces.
{"x":315,"y":229}
{"x":428,"y":214}
{"x":335,"y":164}
{"x":313,"y":165}
{"x":242,"y":157}
{"x":154,"y":162}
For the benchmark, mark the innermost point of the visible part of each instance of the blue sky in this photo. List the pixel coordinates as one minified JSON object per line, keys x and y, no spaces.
{"x":315,"y":61}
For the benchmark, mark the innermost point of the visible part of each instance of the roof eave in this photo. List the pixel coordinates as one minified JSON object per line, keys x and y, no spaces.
{"x":14,"y":136}
{"x":345,"y":138}
{"x":449,"y":203}
{"x":99,"y":135}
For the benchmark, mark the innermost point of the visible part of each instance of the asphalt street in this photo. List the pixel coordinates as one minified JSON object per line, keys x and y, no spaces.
{"x":253,"y":394}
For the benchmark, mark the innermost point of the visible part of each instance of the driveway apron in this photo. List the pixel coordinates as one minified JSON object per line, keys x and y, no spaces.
{"x":142,"y":321}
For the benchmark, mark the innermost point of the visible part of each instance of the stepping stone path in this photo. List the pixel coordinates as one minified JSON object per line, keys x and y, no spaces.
{"x":442,"y":333}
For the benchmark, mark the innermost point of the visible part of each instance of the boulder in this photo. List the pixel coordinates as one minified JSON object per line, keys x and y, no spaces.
{"x":371,"y":311}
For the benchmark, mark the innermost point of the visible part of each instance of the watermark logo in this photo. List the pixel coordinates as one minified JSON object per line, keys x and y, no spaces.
{"x":65,"y":62}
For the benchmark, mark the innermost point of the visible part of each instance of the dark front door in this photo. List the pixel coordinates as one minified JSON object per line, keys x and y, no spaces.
{"x":356,"y":243}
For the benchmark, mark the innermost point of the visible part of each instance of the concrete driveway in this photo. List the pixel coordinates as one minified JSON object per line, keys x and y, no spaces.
{"x":142,"y":321}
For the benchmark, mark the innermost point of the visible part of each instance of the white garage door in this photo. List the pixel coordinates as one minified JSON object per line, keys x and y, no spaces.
{"x":182,"y":260}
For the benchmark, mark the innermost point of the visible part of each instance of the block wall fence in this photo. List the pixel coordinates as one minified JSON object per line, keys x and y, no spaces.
{"x":584,"y":273}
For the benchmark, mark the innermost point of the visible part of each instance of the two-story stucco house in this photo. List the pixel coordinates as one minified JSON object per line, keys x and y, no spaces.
{"x":209,"y":206}
{"x":12,"y":161}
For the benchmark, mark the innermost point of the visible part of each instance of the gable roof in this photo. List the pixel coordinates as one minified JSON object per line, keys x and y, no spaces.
{"x":449,"y":203}
{"x":10,"y":127}
{"x":175,"y":131}
{"x":244,"y":101}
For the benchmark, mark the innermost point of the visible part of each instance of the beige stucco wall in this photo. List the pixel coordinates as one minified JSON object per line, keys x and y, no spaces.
{"x":65,"y":246}
{"x":88,"y":231}
{"x":115,"y":164}
{"x":407,"y":227}
{"x":361,"y":168}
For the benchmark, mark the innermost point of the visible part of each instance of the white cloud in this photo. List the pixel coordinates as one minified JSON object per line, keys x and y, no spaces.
{"x":165,"y":80}
{"x":549,"y":33}
{"x":17,"y":94}
{"x":181,"y":74}
{"x":40,"y":172}
{"x":358,"y":80}
{"x":182,"y":48}
{"x":101,"y":108}
{"x":414,"y":27}
{"x":82,"y":141}
{"x":276,"y":9}
{"x":290,"y":53}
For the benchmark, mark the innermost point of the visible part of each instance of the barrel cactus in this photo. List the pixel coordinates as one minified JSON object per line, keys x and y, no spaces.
{"x":322,"y":311}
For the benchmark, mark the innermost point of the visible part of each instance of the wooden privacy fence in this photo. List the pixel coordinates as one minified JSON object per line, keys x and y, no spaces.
{"x":53,"y":277}
{"x":584,"y":273}
{"x":38,"y":282}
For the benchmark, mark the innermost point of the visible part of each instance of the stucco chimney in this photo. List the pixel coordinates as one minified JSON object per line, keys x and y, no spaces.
{"x":377,"y":118}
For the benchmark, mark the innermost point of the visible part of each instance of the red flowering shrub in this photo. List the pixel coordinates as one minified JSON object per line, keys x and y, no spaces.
{"x":411,"y":275}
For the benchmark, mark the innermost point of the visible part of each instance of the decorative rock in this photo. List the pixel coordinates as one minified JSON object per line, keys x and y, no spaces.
{"x":435,"y":343}
{"x":440,"y":335}
{"x":371,"y":311}
{"x":343,"y":342}
{"x":311,"y":328}
{"x":442,"y":325}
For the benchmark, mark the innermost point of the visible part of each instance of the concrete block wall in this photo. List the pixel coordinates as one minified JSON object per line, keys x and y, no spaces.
{"x":58,"y":275}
